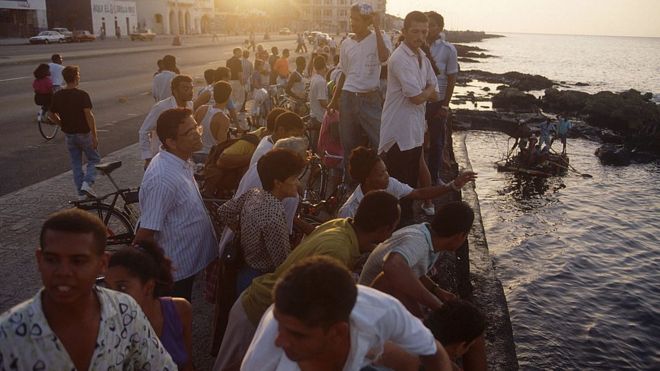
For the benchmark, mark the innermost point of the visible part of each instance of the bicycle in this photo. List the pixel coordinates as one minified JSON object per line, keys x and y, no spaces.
{"x":121,"y":221}
{"x":317,"y":177}
{"x":47,"y":128}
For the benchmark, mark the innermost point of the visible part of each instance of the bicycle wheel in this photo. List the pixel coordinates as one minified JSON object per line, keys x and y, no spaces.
{"x":47,"y":129}
{"x":316,"y":183}
{"x":119,"y":229}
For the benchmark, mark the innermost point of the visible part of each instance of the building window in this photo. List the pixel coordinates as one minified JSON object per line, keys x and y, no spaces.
{"x":327,"y":12}
{"x":159,"y":18}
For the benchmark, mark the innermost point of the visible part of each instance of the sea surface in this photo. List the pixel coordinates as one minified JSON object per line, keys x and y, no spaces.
{"x":578,"y":258}
{"x":604,"y":62}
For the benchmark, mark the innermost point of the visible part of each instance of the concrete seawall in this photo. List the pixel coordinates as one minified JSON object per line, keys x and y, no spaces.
{"x":487,"y":289}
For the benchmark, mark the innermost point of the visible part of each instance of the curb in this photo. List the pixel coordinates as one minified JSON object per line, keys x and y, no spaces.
{"x":487,"y":288}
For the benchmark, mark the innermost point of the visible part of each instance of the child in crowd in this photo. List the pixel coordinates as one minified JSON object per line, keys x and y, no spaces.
{"x":43,"y":89}
{"x":143,"y":272}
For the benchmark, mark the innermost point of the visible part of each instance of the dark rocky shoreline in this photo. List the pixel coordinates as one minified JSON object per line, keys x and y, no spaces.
{"x":627,"y":123}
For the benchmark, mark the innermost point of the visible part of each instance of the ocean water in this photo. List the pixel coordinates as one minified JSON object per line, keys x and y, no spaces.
{"x":579,"y":258}
{"x":603,"y":62}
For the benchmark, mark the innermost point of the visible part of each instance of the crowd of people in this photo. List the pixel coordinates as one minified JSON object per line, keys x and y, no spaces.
{"x":354,"y":294}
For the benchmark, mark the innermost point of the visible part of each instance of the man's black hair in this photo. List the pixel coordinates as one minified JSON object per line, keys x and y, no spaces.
{"x":377,"y":209}
{"x":278,"y":164}
{"x":209,"y":74}
{"x":79,"y":222}
{"x":414,"y":16}
{"x":55,"y":58}
{"x":221,"y":91}
{"x":167,"y":126}
{"x":178,"y":80}
{"x":318,"y":291}
{"x":436,"y":18}
{"x":453,"y":218}
{"x":288,"y":121}
{"x":360,"y":163}
{"x":455,"y":322}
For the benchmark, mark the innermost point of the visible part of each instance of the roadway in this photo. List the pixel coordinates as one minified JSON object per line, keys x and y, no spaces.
{"x":120,"y":88}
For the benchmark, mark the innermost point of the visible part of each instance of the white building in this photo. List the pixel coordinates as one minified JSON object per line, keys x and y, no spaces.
{"x":114,"y":16}
{"x":331,"y":16}
{"x":22,"y":18}
{"x":176,"y":16}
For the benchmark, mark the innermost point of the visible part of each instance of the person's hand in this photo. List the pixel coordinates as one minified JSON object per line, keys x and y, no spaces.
{"x":464,"y":177}
{"x":444,"y":295}
{"x":375,"y":20}
{"x":442,"y":112}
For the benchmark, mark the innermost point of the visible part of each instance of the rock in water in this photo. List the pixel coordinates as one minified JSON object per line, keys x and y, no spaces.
{"x":612,"y":154}
{"x":512,"y":98}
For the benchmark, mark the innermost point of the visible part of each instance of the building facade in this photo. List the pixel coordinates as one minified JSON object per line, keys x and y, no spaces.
{"x":331,"y":16}
{"x":22,"y":18}
{"x":100,"y":17}
{"x":176,"y":17}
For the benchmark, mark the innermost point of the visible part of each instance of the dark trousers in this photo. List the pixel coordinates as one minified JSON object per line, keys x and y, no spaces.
{"x":183,"y":288}
{"x":437,"y":127}
{"x":404,"y":166}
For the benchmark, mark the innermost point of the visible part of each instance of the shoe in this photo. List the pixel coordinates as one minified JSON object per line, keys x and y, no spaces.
{"x":87,"y":189}
{"x":83,"y":197}
{"x":429,"y":210}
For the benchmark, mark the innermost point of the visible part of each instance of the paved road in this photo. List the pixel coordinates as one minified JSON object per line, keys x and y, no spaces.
{"x":119,"y":86}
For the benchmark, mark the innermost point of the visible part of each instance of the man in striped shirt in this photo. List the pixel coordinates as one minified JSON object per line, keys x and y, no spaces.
{"x":173,"y":214}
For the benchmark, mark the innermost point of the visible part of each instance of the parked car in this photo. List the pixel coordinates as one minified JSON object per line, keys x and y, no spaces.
{"x":68,"y":35}
{"x":285,"y":31}
{"x":143,"y":35}
{"x":82,"y":35}
{"x":47,"y":37}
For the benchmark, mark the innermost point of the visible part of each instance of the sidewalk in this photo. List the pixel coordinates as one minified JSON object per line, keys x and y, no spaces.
{"x":188,"y":42}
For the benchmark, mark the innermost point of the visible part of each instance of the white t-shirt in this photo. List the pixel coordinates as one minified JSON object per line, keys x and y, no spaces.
{"x":394,"y":187}
{"x":162,"y":85}
{"x":403,"y":122}
{"x":55,"y":70}
{"x":318,"y":90}
{"x":147,"y":137}
{"x":265,"y":145}
{"x":413,"y":243}
{"x":446,"y":59}
{"x":375,"y":319}
{"x":360,"y":64}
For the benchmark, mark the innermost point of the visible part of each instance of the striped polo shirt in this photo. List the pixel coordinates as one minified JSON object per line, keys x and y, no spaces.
{"x":172,"y":206}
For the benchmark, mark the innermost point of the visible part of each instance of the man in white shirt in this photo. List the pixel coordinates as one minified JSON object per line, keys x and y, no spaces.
{"x":318,"y":98}
{"x":182,"y":93}
{"x":71,"y":324}
{"x":399,"y":266}
{"x":411,"y":83}
{"x":357,"y":95}
{"x":55,"y":68}
{"x":320,"y":318}
{"x":173,"y":214}
{"x":369,"y":170}
{"x":437,"y":113}
{"x":162,"y":81}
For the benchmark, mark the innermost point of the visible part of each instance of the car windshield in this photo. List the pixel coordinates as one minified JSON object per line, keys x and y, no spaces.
{"x":44,"y":33}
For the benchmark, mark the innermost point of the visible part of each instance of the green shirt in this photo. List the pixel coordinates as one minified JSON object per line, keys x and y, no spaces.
{"x":335,"y":238}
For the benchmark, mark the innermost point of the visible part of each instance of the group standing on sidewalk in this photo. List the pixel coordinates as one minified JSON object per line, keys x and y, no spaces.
{"x":280,"y":304}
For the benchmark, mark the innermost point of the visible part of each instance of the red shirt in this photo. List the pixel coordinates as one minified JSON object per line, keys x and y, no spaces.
{"x":43,"y":86}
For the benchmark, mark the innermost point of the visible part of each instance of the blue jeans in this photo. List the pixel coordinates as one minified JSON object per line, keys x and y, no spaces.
{"x":358,"y":114}
{"x":77,"y":144}
{"x":437,"y":127}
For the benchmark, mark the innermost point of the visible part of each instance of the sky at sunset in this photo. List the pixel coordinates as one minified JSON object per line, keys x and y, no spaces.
{"x":573,"y":17}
